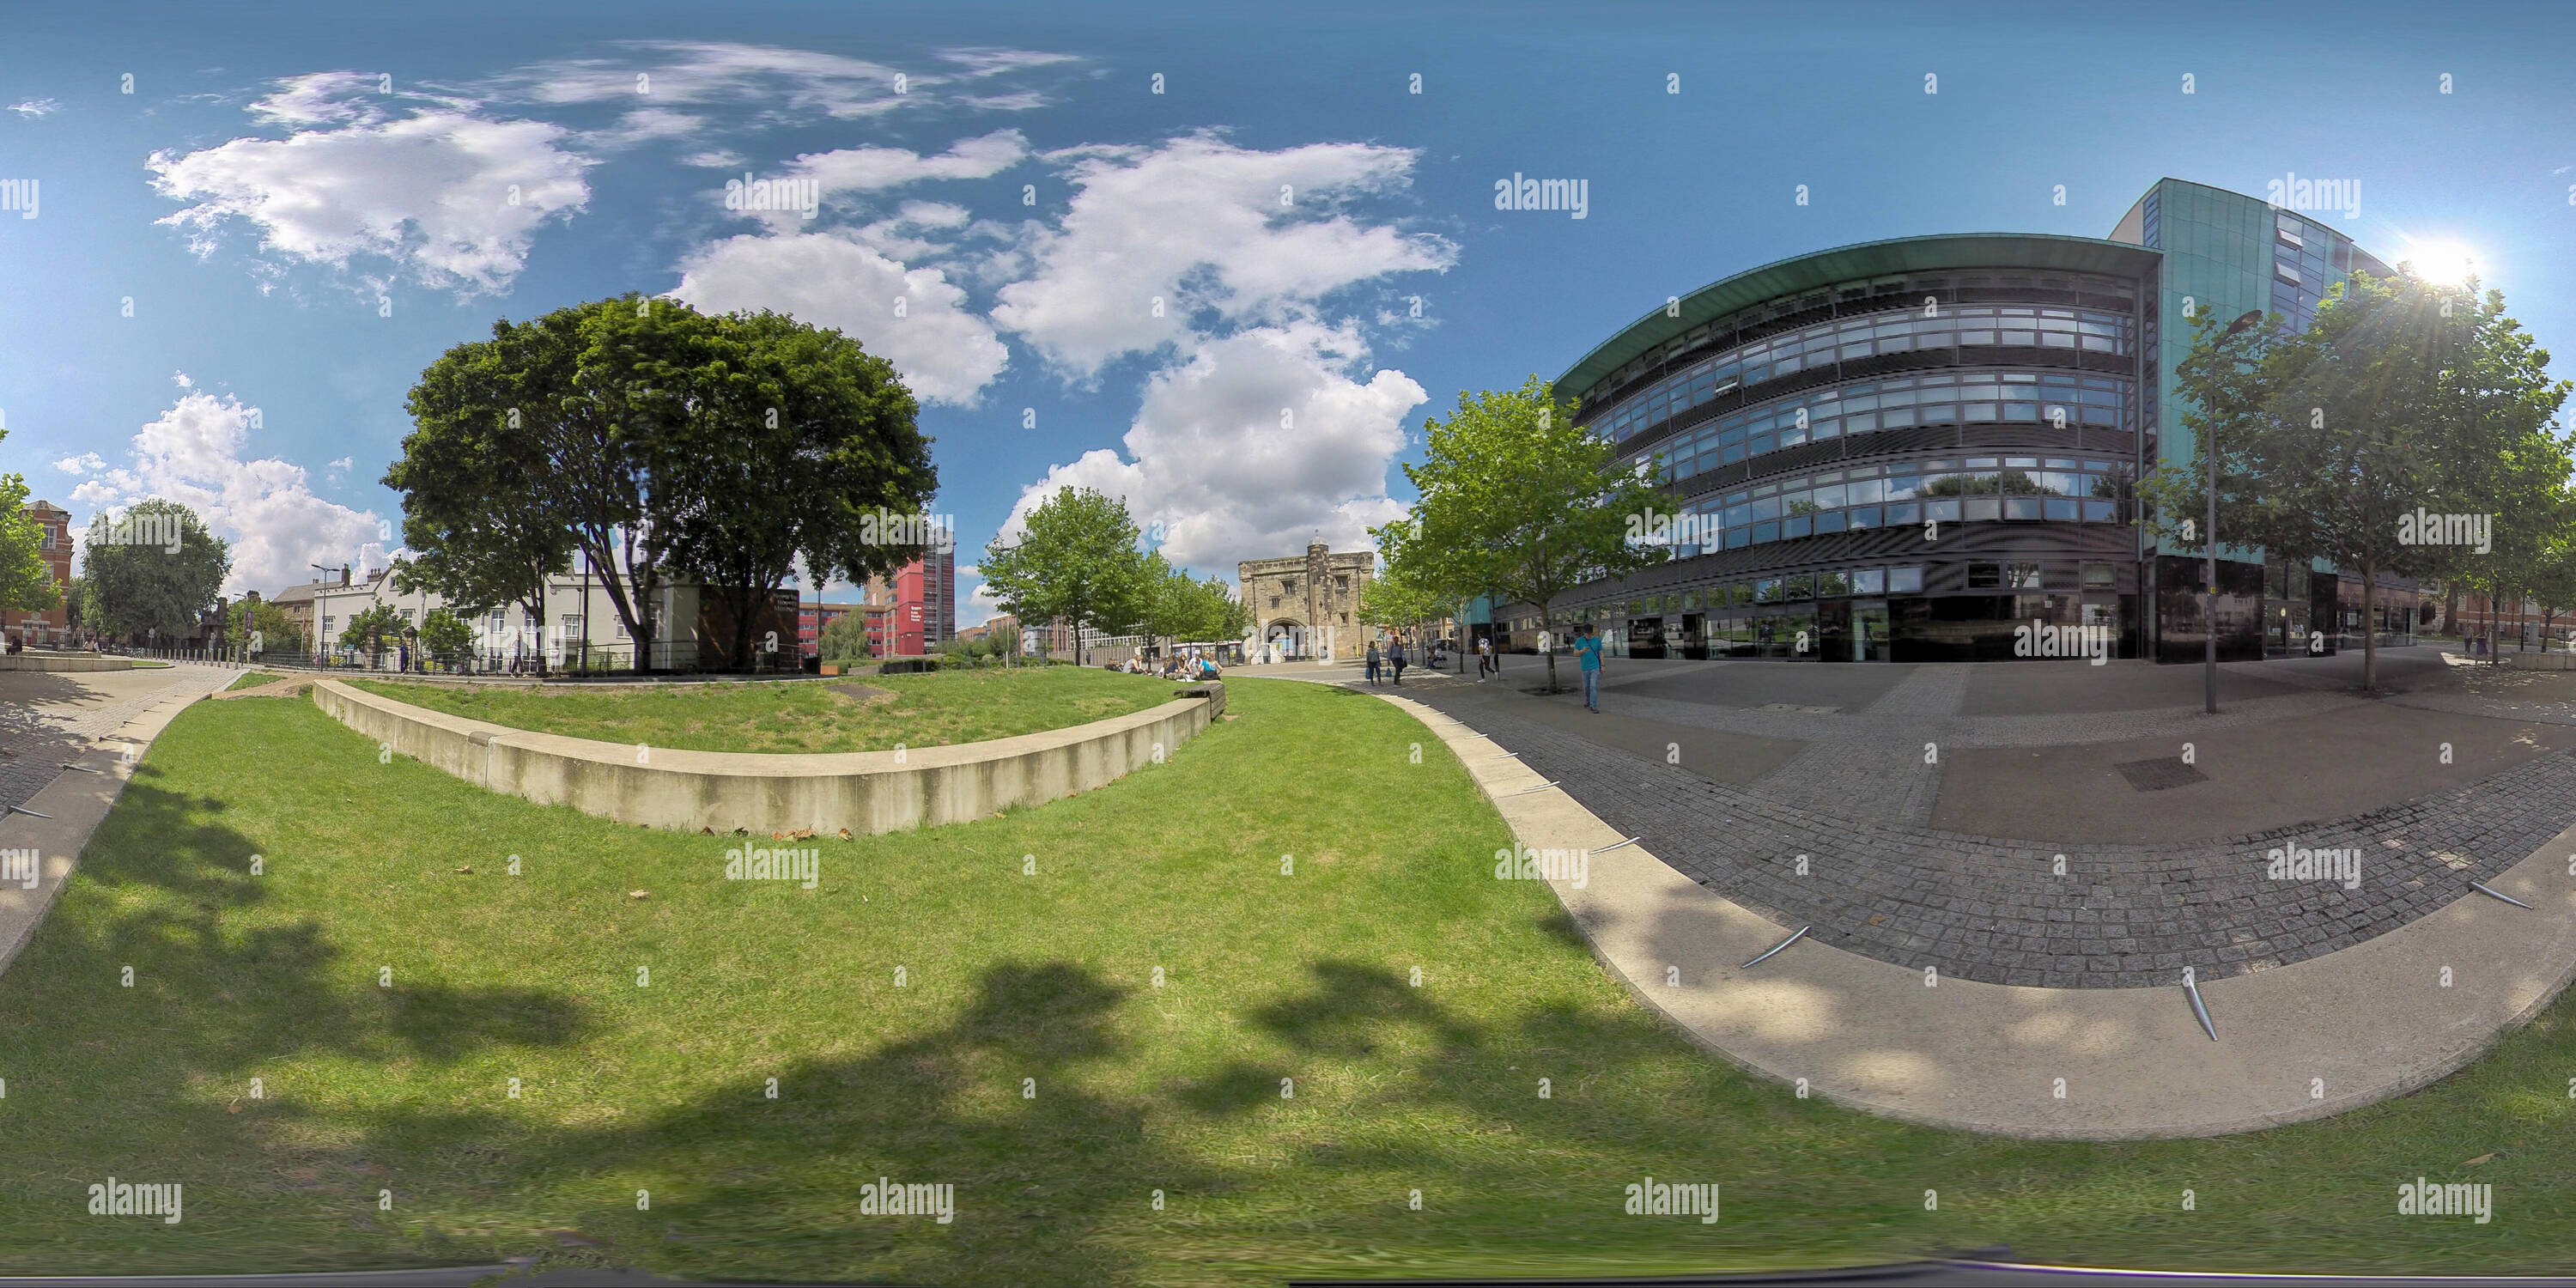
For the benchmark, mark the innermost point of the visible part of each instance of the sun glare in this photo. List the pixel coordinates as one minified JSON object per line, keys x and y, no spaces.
{"x":2446,"y":262}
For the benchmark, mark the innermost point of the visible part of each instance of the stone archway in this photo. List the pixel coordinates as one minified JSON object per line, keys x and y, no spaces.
{"x":1289,"y":637}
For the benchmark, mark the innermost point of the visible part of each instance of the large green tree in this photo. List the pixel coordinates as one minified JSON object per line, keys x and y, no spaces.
{"x":781,"y":445}
{"x":477,"y":475}
{"x":152,"y":573}
{"x":2404,"y":396}
{"x":25,"y":582}
{"x":1076,"y":559}
{"x":654,"y":441}
{"x":1519,"y":502}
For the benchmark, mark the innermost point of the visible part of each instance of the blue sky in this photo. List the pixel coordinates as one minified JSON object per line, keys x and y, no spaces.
{"x":297,"y":242}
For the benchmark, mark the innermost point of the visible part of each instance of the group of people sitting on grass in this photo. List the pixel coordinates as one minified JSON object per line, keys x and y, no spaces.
{"x":1194,"y":665}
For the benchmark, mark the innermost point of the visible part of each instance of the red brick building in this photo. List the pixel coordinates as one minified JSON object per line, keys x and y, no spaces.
{"x":48,"y":629}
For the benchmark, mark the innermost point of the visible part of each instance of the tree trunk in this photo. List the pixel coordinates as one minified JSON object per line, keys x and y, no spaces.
{"x":2369,"y":628}
{"x":1547,"y":637}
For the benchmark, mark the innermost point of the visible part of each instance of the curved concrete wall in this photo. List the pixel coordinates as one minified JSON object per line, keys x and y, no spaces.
{"x":866,"y":792}
{"x":35,"y":661}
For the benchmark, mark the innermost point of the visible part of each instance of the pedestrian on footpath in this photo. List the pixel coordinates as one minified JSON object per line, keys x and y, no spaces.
{"x":1372,"y":662}
{"x":1587,"y":646}
{"x":1395,"y":655}
{"x":1484,"y":659}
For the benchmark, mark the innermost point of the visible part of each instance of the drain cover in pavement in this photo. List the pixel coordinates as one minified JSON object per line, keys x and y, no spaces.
{"x":2157,"y":775}
{"x":1791,"y":706}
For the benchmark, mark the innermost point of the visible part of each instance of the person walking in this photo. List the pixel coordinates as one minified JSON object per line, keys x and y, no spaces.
{"x":1587,"y":646}
{"x":1395,"y":656}
{"x":1372,"y":662}
{"x":1484,"y":659}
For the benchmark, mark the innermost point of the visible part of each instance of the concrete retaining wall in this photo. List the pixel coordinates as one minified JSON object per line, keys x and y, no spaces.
{"x":866,"y":792}
{"x":35,"y":661}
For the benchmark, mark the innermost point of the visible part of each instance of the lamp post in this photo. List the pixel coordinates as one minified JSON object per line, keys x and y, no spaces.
{"x":2209,"y":623}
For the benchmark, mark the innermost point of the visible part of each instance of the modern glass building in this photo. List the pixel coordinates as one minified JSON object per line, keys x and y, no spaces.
{"x":1916,"y":450}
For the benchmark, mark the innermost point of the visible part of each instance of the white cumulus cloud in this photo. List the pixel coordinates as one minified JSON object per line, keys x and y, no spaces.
{"x":194,"y":454}
{"x":1262,"y":441}
{"x":945,"y":352}
{"x":85,"y":463}
{"x":451,"y":196}
{"x":1200,"y":224}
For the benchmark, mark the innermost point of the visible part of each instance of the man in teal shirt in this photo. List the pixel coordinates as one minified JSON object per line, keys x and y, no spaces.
{"x":1587,"y":647}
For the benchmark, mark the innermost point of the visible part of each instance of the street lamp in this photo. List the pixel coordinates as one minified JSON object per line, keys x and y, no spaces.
{"x":2209,"y":623}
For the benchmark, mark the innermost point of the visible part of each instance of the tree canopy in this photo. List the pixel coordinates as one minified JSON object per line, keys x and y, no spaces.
{"x":1076,"y":559}
{"x":1519,"y":502}
{"x":154,"y":572}
{"x":655,"y":441}
{"x":2405,"y":398}
{"x":25,"y":582}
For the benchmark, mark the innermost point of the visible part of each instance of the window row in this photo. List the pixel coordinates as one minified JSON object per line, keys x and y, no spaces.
{"x":2026,"y":397}
{"x":1858,"y":294}
{"x":1953,"y":326}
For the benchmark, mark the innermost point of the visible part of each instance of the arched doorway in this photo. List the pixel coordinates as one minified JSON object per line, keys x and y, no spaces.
{"x":1288,"y":638}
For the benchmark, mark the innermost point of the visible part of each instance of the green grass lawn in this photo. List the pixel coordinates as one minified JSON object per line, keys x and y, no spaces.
{"x":1027,"y":1056}
{"x":254,"y":679}
{"x":927,"y":710}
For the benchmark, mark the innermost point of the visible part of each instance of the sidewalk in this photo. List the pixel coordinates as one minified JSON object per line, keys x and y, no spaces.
{"x":2314,"y":1038}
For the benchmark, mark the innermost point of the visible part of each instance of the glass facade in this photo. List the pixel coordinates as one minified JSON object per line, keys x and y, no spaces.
{"x":1908,"y":329}
{"x":1907,"y":450}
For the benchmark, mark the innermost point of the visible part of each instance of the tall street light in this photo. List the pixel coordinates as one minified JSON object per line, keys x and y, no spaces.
{"x":2209,"y":622}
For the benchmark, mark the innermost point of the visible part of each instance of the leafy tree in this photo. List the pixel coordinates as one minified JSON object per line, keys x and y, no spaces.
{"x":26,"y":583}
{"x":136,"y":587}
{"x":477,"y":477}
{"x":782,"y":444}
{"x":371,"y":630}
{"x":2404,"y":395}
{"x":1397,"y":602}
{"x":844,"y":639}
{"x":1004,"y":637}
{"x":653,"y":440}
{"x":445,"y":635}
{"x":1076,"y":559}
{"x":1518,"y":501}
{"x":1185,"y":608}
{"x":277,"y":629}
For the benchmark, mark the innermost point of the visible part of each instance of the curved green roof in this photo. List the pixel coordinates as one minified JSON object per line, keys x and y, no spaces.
{"x":1847,"y":263}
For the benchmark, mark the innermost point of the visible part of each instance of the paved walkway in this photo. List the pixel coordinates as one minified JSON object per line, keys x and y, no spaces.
{"x":101,"y":724}
{"x":1908,"y":1039}
{"x":46,"y":715}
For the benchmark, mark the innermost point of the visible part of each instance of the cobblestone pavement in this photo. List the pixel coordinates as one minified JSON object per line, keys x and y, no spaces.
{"x":1999,"y":912}
{"x":36,"y":738}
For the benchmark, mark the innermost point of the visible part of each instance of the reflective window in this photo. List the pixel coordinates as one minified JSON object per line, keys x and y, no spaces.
{"x":1905,"y":581}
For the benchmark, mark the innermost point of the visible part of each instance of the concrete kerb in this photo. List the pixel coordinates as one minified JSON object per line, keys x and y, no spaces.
{"x":41,"y":661}
{"x":2309,"y":1040}
{"x":77,"y":803}
{"x":864,"y":792}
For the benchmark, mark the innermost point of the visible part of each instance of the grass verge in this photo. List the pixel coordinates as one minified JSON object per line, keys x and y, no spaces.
{"x":1061,"y":1012}
{"x":925,"y":710}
